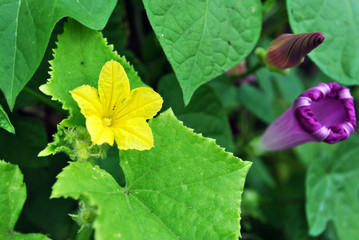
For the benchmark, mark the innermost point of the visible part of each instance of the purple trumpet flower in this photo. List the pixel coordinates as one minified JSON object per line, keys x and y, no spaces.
{"x":323,"y":113}
{"x":289,"y":50}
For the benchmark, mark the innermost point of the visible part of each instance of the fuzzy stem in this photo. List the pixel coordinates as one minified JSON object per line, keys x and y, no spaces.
{"x":85,"y":233}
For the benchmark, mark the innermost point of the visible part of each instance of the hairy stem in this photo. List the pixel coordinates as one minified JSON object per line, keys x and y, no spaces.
{"x":85,"y":233}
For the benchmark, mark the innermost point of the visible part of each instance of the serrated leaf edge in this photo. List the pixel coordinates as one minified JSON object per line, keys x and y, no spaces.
{"x":46,"y":88}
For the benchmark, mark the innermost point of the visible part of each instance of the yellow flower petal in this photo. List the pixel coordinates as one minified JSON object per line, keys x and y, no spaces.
{"x":88,"y":100}
{"x":133,"y":133}
{"x":99,"y":133}
{"x":113,"y":86}
{"x":116,"y":114}
{"x":143,"y":102}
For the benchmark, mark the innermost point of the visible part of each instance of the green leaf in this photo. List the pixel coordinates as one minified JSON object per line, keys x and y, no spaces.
{"x":115,"y":30}
{"x":210,"y":126}
{"x":26,"y":27}
{"x":204,"y":113}
{"x":170,"y":91}
{"x":23,"y":147}
{"x":260,"y":177}
{"x":314,"y":150}
{"x":13,"y":195}
{"x":185,"y":187}
{"x":225,"y":90}
{"x":78,"y":60}
{"x":111,"y":164}
{"x":264,"y":101}
{"x":290,"y":86}
{"x":257,"y":102}
{"x":265,"y":82}
{"x":338,"y":56}
{"x":203,"y":39}
{"x":5,"y":122}
{"x":332,"y":191}
{"x":47,"y":215}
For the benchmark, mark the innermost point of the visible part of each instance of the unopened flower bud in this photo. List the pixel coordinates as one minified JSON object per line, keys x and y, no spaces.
{"x":289,"y":50}
{"x":85,"y":216}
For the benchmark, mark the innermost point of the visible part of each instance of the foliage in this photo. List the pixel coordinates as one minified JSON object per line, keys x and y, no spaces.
{"x":218,"y":98}
{"x":168,"y":192}
{"x":13,"y":195}
{"x":26,"y":30}
{"x":332,"y":191}
{"x":203,"y":39}
{"x":339,"y":24}
{"x":5,"y":122}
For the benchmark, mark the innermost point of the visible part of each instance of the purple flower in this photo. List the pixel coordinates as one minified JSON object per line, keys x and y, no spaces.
{"x":323,"y":113}
{"x":289,"y":50}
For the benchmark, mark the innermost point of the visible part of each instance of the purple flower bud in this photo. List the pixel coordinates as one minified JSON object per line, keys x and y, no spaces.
{"x":323,"y":113}
{"x":289,"y":50}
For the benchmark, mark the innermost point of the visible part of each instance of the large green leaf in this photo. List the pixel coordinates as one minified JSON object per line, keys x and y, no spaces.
{"x":13,"y":195}
{"x":204,"y":38}
{"x":5,"y":122}
{"x":26,"y":27}
{"x":332,"y":186}
{"x":185,"y":187}
{"x":257,"y":101}
{"x":338,"y":56}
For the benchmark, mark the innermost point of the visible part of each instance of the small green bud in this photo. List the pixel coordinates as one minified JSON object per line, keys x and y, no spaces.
{"x":75,"y":142}
{"x":85,"y":215}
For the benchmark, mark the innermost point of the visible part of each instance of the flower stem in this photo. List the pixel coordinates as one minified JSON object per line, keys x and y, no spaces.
{"x":85,"y":233}
{"x":44,"y":100}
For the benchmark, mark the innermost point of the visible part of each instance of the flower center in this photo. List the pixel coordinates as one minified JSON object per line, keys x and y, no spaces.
{"x":107,"y":121}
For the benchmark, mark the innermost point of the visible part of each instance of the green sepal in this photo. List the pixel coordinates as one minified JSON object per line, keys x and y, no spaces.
{"x":76,"y":143}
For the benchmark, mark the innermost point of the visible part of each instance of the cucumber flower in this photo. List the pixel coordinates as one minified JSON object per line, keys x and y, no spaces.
{"x":116,"y":113}
{"x":323,"y":113}
{"x":289,"y":50}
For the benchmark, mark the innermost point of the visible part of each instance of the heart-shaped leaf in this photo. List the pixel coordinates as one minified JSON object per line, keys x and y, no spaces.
{"x":204,"y":38}
{"x":332,"y":190}
{"x":26,"y":28}
{"x":338,"y":56}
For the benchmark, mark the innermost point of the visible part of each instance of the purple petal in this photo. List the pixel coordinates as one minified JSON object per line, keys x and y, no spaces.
{"x":323,"y":113}
{"x":327,"y":112}
{"x":284,"y":133}
{"x":288,"y":50}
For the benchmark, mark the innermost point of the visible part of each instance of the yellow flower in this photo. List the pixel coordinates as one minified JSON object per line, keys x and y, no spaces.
{"x":116,"y":113}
